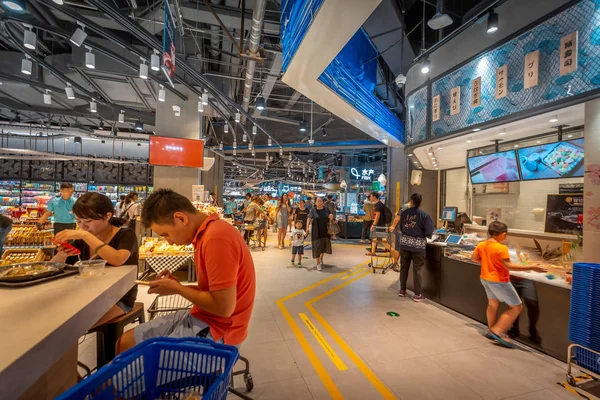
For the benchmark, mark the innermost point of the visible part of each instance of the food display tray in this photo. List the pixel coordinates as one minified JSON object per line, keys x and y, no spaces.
{"x":547,"y":159}
{"x":68,"y":271}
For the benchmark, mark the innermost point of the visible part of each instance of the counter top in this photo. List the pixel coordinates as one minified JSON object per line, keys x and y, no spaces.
{"x":559,"y":236}
{"x":41,"y":322}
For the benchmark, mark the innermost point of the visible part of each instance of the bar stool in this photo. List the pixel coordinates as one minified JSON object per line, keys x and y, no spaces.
{"x":108,"y":333}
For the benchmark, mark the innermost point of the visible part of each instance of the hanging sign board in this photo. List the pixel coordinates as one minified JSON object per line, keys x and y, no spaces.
{"x":476,"y":92}
{"x":435,"y":108}
{"x":532,"y":63}
{"x":501,"y":79}
{"x":168,"y":66}
{"x":455,"y":100}
{"x":568,"y":53}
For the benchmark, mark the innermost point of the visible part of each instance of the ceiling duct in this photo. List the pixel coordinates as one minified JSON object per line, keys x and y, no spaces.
{"x":258,"y":17}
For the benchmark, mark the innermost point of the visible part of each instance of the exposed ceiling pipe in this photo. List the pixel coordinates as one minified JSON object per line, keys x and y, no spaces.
{"x":258,"y":17}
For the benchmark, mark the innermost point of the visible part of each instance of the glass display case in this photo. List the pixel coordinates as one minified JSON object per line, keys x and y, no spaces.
{"x":350,"y":226}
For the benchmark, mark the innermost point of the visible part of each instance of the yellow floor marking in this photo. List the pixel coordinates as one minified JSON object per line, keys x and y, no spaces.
{"x":333,"y":390}
{"x":358,"y":271}
{"x":367,"y":372}
{"x":328,"y":349}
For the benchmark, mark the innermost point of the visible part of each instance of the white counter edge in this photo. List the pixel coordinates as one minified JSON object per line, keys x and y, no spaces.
{"x":560,"y":236}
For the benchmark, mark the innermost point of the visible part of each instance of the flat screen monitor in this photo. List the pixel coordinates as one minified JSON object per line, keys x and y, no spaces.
{"x":449,"y":213}
{"x":552,"y":160}
{"x":494,"y":168}
{"x":454,"y":239}
{"x":176,"y":152}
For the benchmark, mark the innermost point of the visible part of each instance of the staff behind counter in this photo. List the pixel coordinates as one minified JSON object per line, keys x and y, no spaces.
{"x":62,"y":209}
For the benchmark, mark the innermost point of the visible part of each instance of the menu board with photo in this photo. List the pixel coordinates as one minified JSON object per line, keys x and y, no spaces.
{"x":564,"y":214}
{"x":552,"y":160}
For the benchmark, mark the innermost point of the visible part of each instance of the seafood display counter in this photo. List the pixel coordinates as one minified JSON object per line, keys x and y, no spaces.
{"x":451,"y":279}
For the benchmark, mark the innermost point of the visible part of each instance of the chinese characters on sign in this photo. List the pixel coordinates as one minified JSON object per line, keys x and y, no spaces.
{"x":476,"y":92}
{"x":532,"y":63}
{"x":455,"y":101}
{"x":501,"y":81}
{"x":568,"y":53}
{"x":435,"y":108}
{"x":364,"y":175}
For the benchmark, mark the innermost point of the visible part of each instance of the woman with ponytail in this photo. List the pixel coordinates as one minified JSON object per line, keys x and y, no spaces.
{"x":100,"y":235}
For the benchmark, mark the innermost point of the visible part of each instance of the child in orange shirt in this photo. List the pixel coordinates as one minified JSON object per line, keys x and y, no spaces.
{"x":495,"y":278}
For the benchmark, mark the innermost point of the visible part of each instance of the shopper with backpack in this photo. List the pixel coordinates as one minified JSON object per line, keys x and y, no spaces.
{"x":382,"y":216}
{"x":130,"y":210}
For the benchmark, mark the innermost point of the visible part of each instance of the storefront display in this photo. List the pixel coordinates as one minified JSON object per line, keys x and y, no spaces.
{"x":493,"y":168}
{"x":552,"y":160}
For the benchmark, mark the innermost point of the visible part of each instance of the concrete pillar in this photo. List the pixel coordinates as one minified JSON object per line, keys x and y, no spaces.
{"x":397,"y":178}
{"x":591,"y":183}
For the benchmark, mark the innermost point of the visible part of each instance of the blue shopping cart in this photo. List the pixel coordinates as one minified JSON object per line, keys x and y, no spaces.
{"x":162,"y":368}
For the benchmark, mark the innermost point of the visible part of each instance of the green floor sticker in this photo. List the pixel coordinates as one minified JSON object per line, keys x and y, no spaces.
{"x":393,"y":314}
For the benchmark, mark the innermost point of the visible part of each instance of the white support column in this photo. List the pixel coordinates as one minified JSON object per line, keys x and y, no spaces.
{"x":591,"y":185}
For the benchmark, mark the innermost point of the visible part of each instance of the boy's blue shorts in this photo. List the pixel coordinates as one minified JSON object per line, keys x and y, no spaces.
{"x":502,"y":291}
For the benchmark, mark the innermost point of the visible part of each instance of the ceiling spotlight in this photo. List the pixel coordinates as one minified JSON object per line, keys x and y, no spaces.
{"x":492,"y":22}
{"x":155,"y":61}
{"x":570,"y":135}
{"x":29,"y":38}
{"x":139,"y":125}
{"x":162,"y":94}
{"x":101,"y":125}
{"x":244,"y":138}
{"x":269,"y":142}
{"x":177,"y":110}
{"x":234,"y":151}
{"x":47,"y":97}
{"x":426,"y":66}
{"x":311,"y":142}
{"x":90,"y":59}
{"x":503,"y":132}
{"x":554,"y":119}
{"x":476,"y":129}
{"x":26,"y":66}
{"x":290,"y":157}
{"x":469,"y":141}
{"x":200,"y":105}
{"x":70,"y":92}
{"x":440,"y":147}
{"x":226,"y":127}
{"x":144,"y":70}
{"x":205,"y":98}
{"x":234,"y":145}
{"x":221,"y":146}
{"x":238,"y":117}
{"x":78,"y":36}
{"x":324,"y":132}
{"x":539,"y":141}
{"x":260,"y":102}
{"x":410,"y":154}
{"x":122,"y":116}
{"x":93,"y":106}
{"x":303,"y":126}
{"x":516,"y":145}
{"x":254,"y":129}
{"x":281,"y":151}
{"x":14,"y":5}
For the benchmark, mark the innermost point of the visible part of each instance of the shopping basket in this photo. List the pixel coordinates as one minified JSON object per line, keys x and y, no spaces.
{"x":162,"y":368}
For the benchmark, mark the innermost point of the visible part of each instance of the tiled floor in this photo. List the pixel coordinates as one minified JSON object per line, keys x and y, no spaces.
{"x":427,"y":352}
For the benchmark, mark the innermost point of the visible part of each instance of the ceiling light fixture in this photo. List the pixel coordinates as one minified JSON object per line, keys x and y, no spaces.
{"x":205,"y":98}
{"x":155,"y":61}
{"x":426,"y":67}
{"x":70,"y":92}
{"x":553,"y":119}
{"x":143,"y":69}
{"x":260,"y":102}
{"x":79,"y":35}
{"x":281,"y":151}
{"x":492,"y":22}
{"x":476,"y":129}
{"x":269,"y":142}
{"x":254,"y":129}
{"x":516,"y":145}
{"x":324,"y":132}
{"x":26,"y":65}
{"x":14,"y":5}
{"x":122,"y":116}
{"x":410,"y":154}
{"x":177,"y":110}
{"x":234,"y":152}
{"x":469,"y":140}
{"x":200,"y":105}
{"x":226,"y":127}
{"x":244,"y":138}
{"x":303,"y":126}
{"x":47,"y":97}
{"x":502,"y":132}
{"x":93,"y":106}
{"x":29,"y":38}
{"x":440,"y":148}
{"x":139,"y":125}
{"x":570,"y":135}
{"x":234,"y":145}
{"x":162,"y":94}
{"x":539,"y":141}
{"x":290,"y":157}
{"x":238,"y":117}
{"x":90,"y":59}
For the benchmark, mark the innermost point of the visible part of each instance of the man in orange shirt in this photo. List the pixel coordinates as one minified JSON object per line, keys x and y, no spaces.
{"x":495,"y":278}
{"x":224,"y":296}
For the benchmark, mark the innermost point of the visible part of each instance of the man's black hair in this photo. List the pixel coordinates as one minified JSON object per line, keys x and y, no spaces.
{"x":249,"y":195}
{"x":497,"y":228}
{"x":160,"y":206}
{"x":375,"y":194}
{"x":66,"y":185}
{"x":416,"y":199}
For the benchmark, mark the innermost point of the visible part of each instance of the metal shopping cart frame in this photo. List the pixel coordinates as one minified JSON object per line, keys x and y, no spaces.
{"x":382,"y":259}
{"x":585,"y":364}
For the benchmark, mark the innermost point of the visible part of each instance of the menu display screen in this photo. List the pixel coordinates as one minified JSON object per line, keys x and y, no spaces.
{"x":494,"y":168}
{"x":552,"y":160}
{"x":176,"y":152}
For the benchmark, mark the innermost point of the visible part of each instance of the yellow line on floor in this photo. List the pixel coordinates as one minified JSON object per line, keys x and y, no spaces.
{"x":367,"y":372}
{"x":328,"y":349}
{"x":358,"y":271}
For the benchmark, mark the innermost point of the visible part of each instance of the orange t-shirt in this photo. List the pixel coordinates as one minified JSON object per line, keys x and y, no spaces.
{"x":223,"y":260}
{"x":492,"y":253}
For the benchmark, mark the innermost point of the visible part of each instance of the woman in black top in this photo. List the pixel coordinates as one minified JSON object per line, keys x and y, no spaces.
{"x":318,"y":219}
{"x":100,"y":234}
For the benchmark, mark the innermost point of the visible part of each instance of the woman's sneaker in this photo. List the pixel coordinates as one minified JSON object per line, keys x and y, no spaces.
{"x":402,"y":293}
{"x":319,"y":267}
{"x":419,"y":298}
